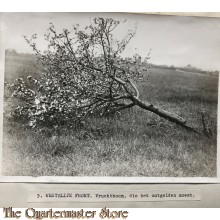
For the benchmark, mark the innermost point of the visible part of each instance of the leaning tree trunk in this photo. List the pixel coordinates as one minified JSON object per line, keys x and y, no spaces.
{"x":164,"y":114}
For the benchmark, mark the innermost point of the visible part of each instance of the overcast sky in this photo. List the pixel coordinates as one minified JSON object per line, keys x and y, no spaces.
{"x":174,"y":40}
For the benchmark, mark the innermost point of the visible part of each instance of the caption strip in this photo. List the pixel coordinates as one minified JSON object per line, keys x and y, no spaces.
{"x":113,"y":196}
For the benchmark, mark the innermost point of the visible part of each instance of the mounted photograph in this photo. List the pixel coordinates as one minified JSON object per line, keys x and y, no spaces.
{"x":109,"y":95}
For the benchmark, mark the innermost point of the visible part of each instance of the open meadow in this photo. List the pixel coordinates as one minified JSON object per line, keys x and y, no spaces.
{"x":133,"y":142}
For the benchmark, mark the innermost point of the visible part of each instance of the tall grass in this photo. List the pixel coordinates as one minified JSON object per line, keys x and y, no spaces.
{"x":123,"y":147}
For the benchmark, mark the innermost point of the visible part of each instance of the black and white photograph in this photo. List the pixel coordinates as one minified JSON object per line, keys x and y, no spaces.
{"x":110,"y":95}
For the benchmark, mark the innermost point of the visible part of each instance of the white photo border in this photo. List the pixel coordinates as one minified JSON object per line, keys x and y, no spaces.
{"x":65,"y":179}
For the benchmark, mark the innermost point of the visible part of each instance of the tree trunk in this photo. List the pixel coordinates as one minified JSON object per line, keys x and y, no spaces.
{"x":164,"y":114}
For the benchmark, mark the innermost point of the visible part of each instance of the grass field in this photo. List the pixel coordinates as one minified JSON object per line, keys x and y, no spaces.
{"x":133,"y":143}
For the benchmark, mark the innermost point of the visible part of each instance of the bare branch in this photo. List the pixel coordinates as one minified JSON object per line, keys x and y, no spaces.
{"x":123,"y":107}
{"x":135,"y":88}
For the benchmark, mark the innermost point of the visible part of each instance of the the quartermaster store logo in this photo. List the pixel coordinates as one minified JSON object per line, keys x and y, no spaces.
{"x":32,"y":213}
